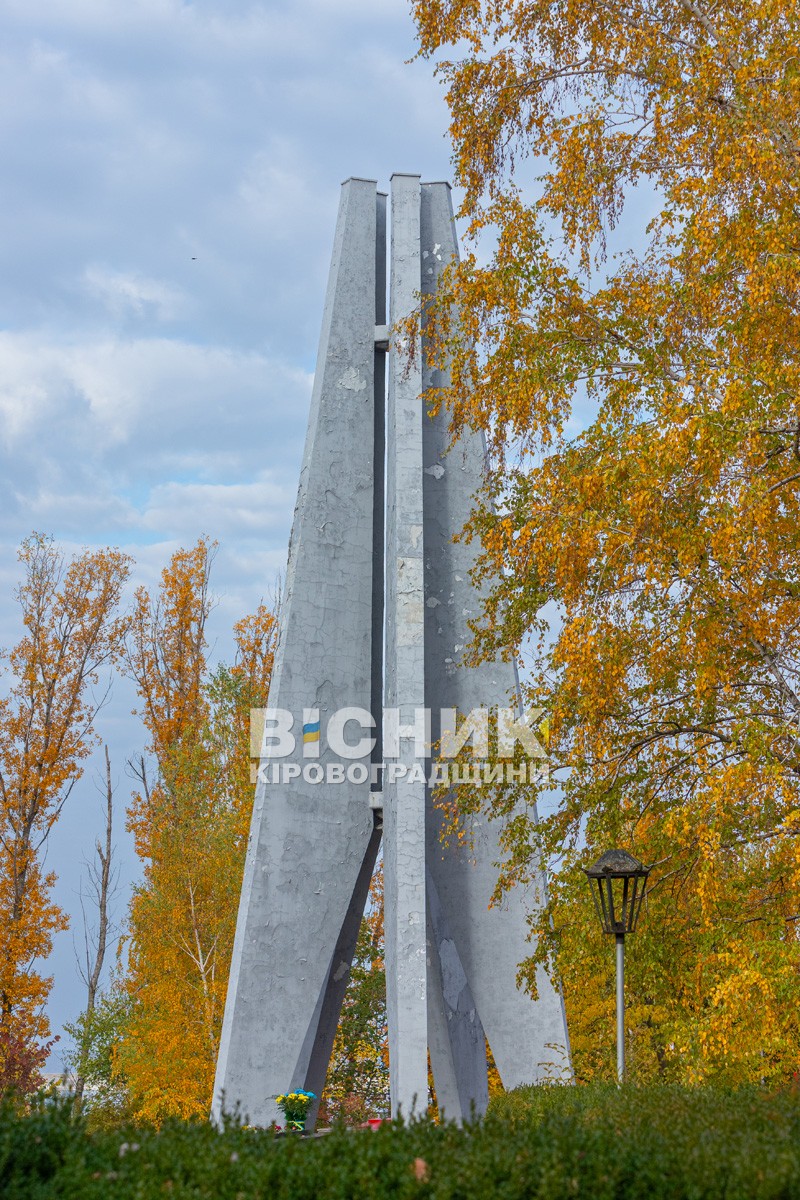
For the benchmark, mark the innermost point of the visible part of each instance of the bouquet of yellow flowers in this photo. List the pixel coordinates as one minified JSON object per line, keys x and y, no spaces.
{"x":295,"y":1106}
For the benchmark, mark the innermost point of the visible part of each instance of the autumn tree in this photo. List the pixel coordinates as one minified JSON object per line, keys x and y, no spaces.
{"x":98,"y":1034}
{"x":640,"y":522}
{"x":357,"y":1083}
{"x":167,"y":653}
{"x":73,"y":632}
{"x":101,"y":878}
{"x":190,"y":820}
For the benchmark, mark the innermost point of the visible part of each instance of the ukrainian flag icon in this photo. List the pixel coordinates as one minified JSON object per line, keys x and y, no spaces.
{"x":311,"y":732}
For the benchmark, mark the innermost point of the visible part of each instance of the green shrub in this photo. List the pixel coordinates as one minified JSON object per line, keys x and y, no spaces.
{"x":545,"y":1143}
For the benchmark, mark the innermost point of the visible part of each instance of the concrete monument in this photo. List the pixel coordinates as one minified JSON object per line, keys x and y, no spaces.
{"x":373,"y":629}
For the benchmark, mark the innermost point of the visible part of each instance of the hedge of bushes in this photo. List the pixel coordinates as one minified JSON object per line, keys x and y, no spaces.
{"x":548,"y":1143}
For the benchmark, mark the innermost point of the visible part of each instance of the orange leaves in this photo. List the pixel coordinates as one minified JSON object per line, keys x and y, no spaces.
{"x":166,"y":654}
{"x":644,"y":494}
{"x":256,"y":638}
{"x":72,"y":632}
{"x":190,"y":820}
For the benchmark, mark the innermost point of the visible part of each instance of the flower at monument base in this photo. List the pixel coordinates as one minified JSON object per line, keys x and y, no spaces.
{"x":295,"y":1106}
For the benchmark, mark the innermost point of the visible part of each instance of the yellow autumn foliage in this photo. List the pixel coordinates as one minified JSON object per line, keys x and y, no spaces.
{"x":640,"y":522}
{"x":191,"y":820}
{"x":73,"y":633}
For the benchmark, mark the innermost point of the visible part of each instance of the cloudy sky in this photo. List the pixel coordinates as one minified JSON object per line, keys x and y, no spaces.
{"x":168,"y":192}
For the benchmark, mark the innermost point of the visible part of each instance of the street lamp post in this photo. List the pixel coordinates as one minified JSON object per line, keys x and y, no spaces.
{"x":617,"y":881}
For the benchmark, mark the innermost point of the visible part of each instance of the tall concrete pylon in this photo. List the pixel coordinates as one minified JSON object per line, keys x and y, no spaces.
{"x":374,"y":623}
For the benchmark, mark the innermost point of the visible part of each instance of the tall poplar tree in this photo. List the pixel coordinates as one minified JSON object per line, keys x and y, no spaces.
{"x":73,"y":632}
{"x":643,"y":417}
{"x":190,"y":820}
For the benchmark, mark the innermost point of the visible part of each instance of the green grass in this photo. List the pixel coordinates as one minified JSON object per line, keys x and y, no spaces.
{"x":542,"y":1143}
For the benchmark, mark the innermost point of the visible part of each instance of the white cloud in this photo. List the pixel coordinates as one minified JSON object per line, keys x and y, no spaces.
{"x":131,"y":292}
{"x":171,"y":177}
{"x":276,"y":183}
{"x":243,"y":510}
{"x":157,"y":398}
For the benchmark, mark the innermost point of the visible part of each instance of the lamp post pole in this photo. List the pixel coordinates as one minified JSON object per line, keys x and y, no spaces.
{"x":617,"y":882}
{"x":621,"y":1007}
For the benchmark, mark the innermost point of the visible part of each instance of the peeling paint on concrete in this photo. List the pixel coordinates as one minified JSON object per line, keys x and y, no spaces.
{"x":304,"y":884}
{"x":352,"y":381}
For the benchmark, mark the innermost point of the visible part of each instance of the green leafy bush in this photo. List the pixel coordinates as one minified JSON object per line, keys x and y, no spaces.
{"x":535,"y":1144}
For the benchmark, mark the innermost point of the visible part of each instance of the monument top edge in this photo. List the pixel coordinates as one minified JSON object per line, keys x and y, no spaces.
{"x":398,"y":175}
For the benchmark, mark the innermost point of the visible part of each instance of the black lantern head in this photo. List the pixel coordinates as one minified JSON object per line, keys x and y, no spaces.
{"x":617,"y":881}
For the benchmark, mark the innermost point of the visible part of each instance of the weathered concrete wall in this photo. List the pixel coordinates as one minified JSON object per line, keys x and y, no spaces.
{"x":482,"y":946}
{"x":404,"y":799}
{"x":312,"y":846}
{"x":451,"y":961}
{"x":455,"y":1032}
